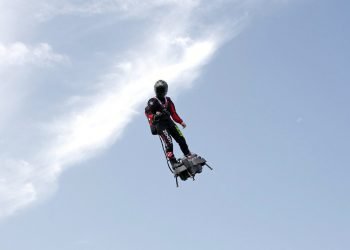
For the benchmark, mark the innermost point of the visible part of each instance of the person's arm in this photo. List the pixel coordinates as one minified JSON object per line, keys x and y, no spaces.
{"x":174,"y":114}
{"x":149,"y":115}
{"x":150,"y":118}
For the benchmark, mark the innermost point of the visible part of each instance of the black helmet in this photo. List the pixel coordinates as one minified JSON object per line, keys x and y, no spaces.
{"x":161,"y":88}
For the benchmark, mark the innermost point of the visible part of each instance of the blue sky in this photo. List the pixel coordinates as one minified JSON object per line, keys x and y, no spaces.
{"x":262,"y":86}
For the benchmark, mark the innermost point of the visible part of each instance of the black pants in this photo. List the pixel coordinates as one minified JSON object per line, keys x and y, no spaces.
{"x":167,"y":133}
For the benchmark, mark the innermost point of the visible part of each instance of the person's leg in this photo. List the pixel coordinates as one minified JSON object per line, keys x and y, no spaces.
{"x":166,"y":138}
{"x":175,"y":132}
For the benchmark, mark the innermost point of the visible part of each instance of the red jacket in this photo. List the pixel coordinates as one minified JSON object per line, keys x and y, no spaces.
{"x":155,"y":105}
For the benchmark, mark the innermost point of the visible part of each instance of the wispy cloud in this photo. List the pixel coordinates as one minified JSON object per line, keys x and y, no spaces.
{"x":101,"y":121}
{"x":125,"y":8}
{"x":21,"y":54}
{"x":175,"y":48}
{"x":16,"y":185}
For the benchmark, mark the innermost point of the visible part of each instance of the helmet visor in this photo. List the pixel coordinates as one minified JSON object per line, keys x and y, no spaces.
{"x":161,"y":91}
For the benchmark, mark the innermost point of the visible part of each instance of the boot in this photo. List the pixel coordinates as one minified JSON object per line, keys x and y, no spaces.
{"x":190,"y":155}
{"x":175,"y":163}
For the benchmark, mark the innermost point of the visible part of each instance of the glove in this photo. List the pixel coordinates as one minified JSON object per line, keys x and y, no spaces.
{"x":153,"y":130}
{"x":157,"y":116}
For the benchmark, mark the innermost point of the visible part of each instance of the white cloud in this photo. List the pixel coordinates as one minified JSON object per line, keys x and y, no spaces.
{"x":100,"y":121}
{"x":17,"y":61}
{"x":176,"y":52}
{"x":16,"y":188}
{"x":21,"y":54}
{"x":125,"y":8}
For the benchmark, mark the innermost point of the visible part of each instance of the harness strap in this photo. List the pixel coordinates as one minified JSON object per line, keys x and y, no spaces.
{"x":165,"y":105}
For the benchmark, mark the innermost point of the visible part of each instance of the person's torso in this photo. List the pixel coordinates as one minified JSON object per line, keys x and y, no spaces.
{"x":163,"y":106}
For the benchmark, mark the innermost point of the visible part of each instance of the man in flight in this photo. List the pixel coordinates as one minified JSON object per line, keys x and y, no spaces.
{"x":161,"y":114}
